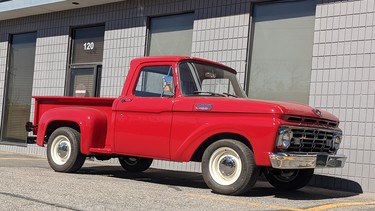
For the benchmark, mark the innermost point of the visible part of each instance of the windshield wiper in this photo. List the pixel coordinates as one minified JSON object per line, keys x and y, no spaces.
{"x":230,"y":95}
{"x":210,"y":93}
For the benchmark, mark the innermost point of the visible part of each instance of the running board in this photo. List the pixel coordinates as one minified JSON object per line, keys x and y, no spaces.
{"x":101,"y":150}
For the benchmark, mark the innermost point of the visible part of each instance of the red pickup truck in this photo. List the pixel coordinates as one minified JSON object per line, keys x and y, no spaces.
{"x":190,"y":109}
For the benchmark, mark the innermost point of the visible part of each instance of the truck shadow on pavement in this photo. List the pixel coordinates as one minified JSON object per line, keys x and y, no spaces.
{"x":263,"y":188}
{"x":157,"y":176}
{"x":176,"y":179}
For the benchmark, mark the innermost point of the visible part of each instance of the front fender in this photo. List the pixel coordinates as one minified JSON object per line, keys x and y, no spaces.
{"x":92,"y":124}
{"x":259,"y":130}
{"x":186,"y":150}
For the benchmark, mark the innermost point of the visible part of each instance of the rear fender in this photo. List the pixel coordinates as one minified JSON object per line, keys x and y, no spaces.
{"x":92,"y":124}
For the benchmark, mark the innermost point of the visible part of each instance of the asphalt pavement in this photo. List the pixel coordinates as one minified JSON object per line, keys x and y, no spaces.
{"x":28,"y":183}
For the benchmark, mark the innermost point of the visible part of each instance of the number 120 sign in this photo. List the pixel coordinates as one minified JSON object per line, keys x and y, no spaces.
{"x":88,"y":46}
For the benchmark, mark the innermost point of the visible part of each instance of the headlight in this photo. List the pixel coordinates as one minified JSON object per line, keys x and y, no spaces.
{"x":284,"y":138}
{"x":337,"y":140}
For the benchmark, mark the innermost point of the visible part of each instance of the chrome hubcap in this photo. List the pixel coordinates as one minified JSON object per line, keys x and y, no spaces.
{"x":225,"y":166}
{"x":61,"y":150}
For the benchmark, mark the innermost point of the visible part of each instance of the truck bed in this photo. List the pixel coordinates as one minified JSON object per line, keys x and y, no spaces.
{"x":44,"y":103}
{"x":103,"y":105}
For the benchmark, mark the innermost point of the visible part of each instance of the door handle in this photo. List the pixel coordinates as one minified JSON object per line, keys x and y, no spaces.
{"x":126,"y":100}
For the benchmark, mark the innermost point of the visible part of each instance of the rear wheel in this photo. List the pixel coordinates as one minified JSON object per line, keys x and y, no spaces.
{"x":228,"y":167}
{"x":290,"y":179}
{"x":135,"y":164}
{"x":63,"y":150}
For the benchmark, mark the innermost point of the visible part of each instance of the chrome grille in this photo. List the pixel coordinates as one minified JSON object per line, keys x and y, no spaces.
{"x":311,"y":140}
{"x":311,"y":121}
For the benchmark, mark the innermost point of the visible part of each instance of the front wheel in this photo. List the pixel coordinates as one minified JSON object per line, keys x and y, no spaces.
{"x":228,"y":167}
{"x":135,"y":164}
{"x":63,"y":150}
{"x":290,"y":179}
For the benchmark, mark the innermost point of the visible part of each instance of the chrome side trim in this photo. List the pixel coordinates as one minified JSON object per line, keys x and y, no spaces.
{"x":303,"y":161}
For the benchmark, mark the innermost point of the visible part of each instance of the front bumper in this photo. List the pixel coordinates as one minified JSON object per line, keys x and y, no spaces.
{"x":304,"y":161}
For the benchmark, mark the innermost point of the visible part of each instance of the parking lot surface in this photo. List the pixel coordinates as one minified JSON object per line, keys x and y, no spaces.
{"x":27,"y":183}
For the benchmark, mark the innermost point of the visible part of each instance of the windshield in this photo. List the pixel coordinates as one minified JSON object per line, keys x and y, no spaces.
{"x":197,"y":79}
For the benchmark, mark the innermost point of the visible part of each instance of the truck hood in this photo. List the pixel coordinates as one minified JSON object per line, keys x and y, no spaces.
{"x":245,"y":105}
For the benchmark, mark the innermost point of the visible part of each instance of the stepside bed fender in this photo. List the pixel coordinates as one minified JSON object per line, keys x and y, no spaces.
{"x":92,"y":125}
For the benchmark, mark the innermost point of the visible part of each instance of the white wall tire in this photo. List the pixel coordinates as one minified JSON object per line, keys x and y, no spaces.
{"x":63,"y":150}
{"x":225,"y":166}
{"x":228,"y":167}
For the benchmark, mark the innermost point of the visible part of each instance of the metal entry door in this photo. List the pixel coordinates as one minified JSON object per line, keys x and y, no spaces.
{"x":84,"y":81}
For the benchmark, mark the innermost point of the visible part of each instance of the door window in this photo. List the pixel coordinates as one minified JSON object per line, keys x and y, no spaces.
{"x":152,"y":82}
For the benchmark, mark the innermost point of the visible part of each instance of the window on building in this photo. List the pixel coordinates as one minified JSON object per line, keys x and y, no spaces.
{"x":19,"y":83}
{"x":151,"y":82}
{"x":171,"y":35}
{"x":86,"y":61}
{"x":281,"y":54}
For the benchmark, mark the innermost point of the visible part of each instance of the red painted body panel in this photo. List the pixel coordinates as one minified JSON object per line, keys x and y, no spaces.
{"x":88,"y":113}
{"x":228,"y":115}
{"x":143,"y":127}
{"x":166,"y":128}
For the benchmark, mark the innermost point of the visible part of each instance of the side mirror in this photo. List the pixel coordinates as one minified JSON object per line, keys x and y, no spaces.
{"x":168,"y":88}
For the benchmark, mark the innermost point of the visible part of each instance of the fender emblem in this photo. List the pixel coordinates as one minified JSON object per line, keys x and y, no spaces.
{"x":203,"y":107}
{"x":317,"y":112}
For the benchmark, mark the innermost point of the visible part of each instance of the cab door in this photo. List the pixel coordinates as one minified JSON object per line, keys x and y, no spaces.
{"x":143,"y":118}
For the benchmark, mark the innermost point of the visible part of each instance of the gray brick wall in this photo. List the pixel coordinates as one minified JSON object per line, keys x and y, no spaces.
{"x":121,"y":46}
{"x":221,"y":34}
{"x":50,"y":66}
{"x":343,"y":82}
